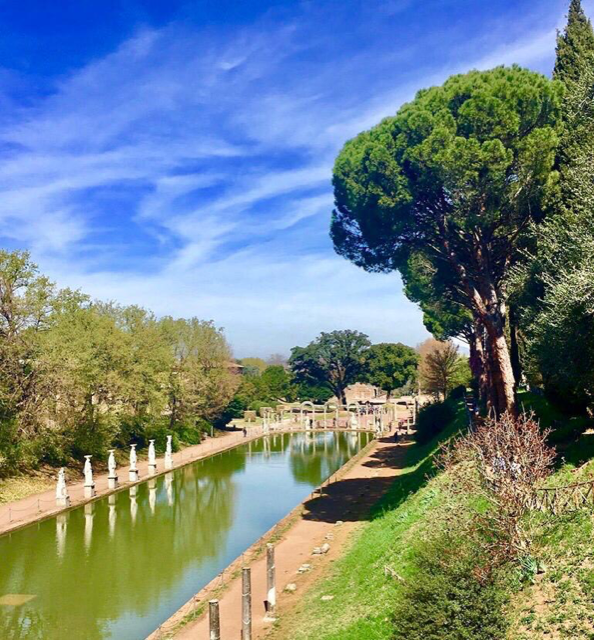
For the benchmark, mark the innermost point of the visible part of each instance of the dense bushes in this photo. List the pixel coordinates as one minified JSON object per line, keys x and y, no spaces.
{"x":433,"y":418}
{"x":446,"y":600}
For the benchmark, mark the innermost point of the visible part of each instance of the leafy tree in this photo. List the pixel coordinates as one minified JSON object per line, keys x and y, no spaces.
{"x":254,"y":365}
{"x":553,"y":289}
{"x":456,"y":176}
{"x":390,"y":366}
{"x":278,"y":383}
{"x":334,"y":359}
{"x":574,"y":67}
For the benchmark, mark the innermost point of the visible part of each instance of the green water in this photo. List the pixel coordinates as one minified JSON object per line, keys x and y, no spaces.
{"x":119,"y":567}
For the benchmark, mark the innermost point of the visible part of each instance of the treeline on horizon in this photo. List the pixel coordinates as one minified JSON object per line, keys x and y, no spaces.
{"x":80,"y":376}
{"x":334,"y":360}
{"x":480,"y":192}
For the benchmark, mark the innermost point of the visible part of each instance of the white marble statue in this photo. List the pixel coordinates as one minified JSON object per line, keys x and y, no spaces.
{"x":133,"y":474}
{"x":111,"y":464}
{"x":169,"y":453}
{"x":62,"y":497}
{"x":88,"y":471}
{"x":152,"y":456}
{"x":133,"y":458}
{"x":354,"y":422}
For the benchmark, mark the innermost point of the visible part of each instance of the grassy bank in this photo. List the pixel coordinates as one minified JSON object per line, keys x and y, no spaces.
{"x":390,"y":583}
{"x":367,"y":580}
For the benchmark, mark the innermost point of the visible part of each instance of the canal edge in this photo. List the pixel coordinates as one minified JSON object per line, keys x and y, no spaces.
{"x":195,"y":607}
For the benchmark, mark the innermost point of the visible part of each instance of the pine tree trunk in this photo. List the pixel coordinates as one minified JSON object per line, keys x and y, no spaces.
{"x":502,"y":375}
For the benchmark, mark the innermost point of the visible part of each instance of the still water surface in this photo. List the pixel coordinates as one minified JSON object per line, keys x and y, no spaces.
{"x":121,"y":566}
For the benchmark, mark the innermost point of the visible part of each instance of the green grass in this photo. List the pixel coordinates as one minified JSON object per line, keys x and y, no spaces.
{"x":369,"y":583}
{"x":367,"y":579}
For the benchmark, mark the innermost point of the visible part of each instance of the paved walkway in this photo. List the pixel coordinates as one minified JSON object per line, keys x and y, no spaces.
{"x":330,"y":518}
{"x":14,"y":515}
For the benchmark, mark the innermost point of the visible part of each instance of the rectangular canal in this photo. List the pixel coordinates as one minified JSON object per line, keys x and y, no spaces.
{"x":119,"y":567}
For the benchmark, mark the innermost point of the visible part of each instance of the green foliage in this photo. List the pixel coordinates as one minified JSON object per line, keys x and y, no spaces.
{"x":333,"y":359}
{"x":254,"y":365}
{"x":446,"y":600}
{"x":433,"y":418}
{"x":390,"y":366}
{"x":78,"y":377}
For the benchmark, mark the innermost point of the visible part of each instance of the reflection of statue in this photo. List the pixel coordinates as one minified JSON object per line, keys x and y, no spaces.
{"x":62,"y":497}
{"x":89,"y":484}
{"x":169,"y":453}
{"x":133,"y":472}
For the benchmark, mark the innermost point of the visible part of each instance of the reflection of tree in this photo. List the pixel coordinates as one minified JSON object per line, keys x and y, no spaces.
{"x":140,"y":567}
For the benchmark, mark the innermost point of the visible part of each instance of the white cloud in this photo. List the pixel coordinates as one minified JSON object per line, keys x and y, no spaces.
{"x":226,"y":146}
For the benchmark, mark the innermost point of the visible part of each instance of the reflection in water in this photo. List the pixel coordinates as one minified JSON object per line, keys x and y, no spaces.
{"x":113,"y":514}
{"x":152,"y":485}
{"x":133,"y":504}
{"x":61,"y":529}
{"x":122,"y":582}
{"x":89,"y":515}
{"x":169,"y":488}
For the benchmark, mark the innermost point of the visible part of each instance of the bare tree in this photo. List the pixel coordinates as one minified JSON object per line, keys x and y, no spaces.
{"x":440,"y":368}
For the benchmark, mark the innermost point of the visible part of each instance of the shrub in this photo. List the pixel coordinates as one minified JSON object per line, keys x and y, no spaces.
{"x":446,"y":600}
{"x":457,"y":393}
{"x":433,"y":418}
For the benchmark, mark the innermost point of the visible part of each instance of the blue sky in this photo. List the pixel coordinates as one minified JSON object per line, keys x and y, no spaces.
{"x":178,"y":155}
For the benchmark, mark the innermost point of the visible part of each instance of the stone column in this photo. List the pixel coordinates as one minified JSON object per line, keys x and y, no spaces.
{"x":246,"y":604}
{"x":270,"y":582}
{"x":214,"y":620}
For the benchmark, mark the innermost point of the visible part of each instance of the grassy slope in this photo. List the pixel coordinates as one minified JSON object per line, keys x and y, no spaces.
{"x":364,"y":592}
{"x":559,"y":605}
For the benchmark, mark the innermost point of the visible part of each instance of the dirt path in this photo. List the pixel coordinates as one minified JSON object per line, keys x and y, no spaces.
{"x":330,"y":518}
{"x":16,"y":514}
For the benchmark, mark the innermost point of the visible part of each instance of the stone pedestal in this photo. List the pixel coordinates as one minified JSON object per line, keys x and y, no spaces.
{"x":152,"y":469}
{"x":133,"y":475}
{"x":63,"y":501}
{"x":112,"y":482}
{"x":90,"y":491}
{"x":168,"y":462}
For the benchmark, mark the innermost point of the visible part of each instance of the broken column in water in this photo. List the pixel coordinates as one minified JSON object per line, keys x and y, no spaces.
{"x":133,"y":472}
{"x":89,"y":482}
{"x":152,"y":458}
{"x":62,"y":497}
{"x":112,"y":476}
{"x":169,"y":453}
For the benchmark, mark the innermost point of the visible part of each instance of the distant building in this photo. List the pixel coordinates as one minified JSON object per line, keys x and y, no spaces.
{"x":363,"y":393}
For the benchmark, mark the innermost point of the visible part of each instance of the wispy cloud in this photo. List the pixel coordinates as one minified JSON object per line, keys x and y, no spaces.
{"x":189,"y":169}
